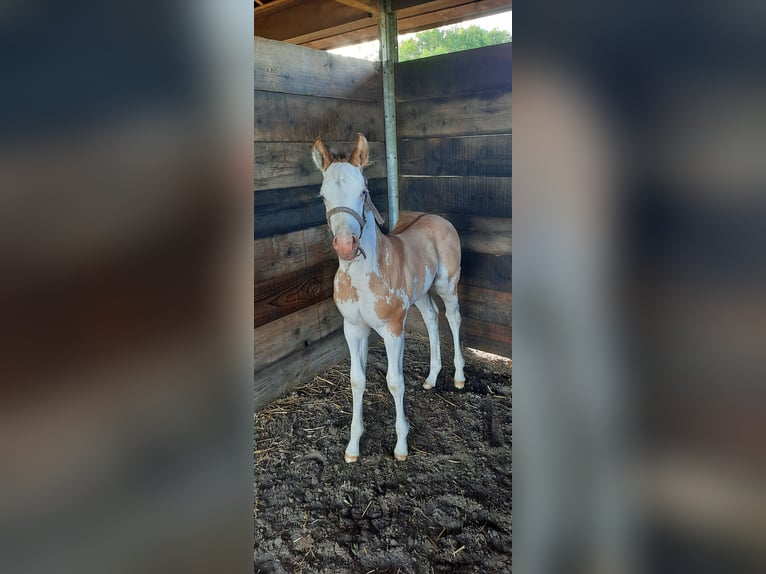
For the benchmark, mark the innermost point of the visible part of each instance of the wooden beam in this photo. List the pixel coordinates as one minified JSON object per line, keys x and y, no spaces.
{"x":292,"y":21}
{"x":473,"y":114}
{"x":406,"y":24}
{"x":290,"y":69}
{"x":484,"y":156}
{"x":290,"y":117}
{"x":281,"y":377}
{"x":463,"y":73}
{"x":371,"y":6}
{"x":279,"y":255}
{"x":274,"y":6}
{"x":275,"y":298}
{"x":459,"y":195}
{"x":295,"y":332}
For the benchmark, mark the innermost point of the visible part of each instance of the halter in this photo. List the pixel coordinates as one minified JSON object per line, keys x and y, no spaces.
{"x":360,"y":219}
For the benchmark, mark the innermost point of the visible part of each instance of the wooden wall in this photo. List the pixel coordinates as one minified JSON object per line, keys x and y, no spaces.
{"x":301,"y":93}
{"x":454,"y":130}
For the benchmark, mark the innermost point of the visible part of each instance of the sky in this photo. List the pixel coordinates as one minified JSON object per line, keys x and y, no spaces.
{"x":369,"y":50}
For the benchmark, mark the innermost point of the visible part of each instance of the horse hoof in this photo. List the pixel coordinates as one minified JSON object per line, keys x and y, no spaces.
{"x":400,"y":457}
{"x":349,"y":458}
{"x":428,"y":386}
{"x":459,"y":384}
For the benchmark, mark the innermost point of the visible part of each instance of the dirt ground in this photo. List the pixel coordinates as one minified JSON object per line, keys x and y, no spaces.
{"x":447,"y":508}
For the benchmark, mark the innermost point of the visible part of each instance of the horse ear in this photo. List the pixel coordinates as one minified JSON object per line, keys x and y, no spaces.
{"x":320,"y":155}
{"x":361,"y":152}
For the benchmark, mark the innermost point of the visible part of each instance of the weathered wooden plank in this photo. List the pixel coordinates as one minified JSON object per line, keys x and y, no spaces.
{"x":275,"y":298}
{"x":289,"y":164}
{"x":291,"y":69}
{"x":279,"y":211}
{"x":371,"y":6}
{"x":483,"y":113}
{"x":482,"y":335}
{"x":278,"y":255}
{"x":295,"y":332}
{"x":487,"y":271}
{"x":492,"y":235}
{"x":303,"y":18}
{"x":488,"y":305}
{"x":290,"y":117}
{"x":281,"y":377}
{"x":457,"y":74}
{"x":457,"y":195}
{"x":484,"y":155}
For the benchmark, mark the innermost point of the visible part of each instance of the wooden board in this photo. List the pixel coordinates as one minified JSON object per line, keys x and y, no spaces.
{"x":278,"y":255}
{"x":295,"y":332}
{"x":290,"y":69}
{"x":489,"y":305}
{"x":484,"y":113}
{"x":457,"y":195}
{"x":492,"y":235}
{"x":304,"y":18}
{"x":487,"y":271}
{"x":289,"y":164}
{"x":484,"y":155}
{"x":279,"y":211}
{"x":275,"y":298}
{"x":289,"y":117}
{"x":481,"y":335}
{"x":480,"y":70}
{"x":431,"y":14}
{"x":281,"y":377}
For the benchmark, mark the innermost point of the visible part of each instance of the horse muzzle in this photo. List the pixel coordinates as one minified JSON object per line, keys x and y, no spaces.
{"x":346,"y":246}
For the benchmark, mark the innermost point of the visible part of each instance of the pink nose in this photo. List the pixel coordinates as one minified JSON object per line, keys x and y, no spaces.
{"x":345,"y":246}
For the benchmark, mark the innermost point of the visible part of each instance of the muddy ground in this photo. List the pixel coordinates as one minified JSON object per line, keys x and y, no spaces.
{"x":447,"y":508}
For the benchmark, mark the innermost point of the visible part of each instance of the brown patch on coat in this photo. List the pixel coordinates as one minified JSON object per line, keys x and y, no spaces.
{"x":344,"y":290}
{"x":389,"y":306}
{"x":419,"y":245}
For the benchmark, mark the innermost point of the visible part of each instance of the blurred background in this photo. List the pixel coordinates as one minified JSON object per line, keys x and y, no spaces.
{"x":125,"y":286}
{"x":639,"y":294}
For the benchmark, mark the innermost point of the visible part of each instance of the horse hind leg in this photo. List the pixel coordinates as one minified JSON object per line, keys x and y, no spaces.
{"x":447,"y":290}
{"x":430,"y":315}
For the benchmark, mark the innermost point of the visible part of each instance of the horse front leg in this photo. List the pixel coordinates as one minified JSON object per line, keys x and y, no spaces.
{"x":395,"y":380}
{"x":357,"y":337}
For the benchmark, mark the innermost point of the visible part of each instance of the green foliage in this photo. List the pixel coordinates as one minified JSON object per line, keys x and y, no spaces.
{"x":447,"y":40}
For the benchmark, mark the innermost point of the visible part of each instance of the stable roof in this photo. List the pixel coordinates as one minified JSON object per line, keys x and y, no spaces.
{"x":325,"y":24}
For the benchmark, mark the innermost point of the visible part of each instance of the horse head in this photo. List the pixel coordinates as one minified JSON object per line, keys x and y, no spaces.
{"x":345,"y":195}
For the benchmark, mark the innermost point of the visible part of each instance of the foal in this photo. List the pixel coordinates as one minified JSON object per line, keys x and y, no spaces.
{"x":381,"y":276}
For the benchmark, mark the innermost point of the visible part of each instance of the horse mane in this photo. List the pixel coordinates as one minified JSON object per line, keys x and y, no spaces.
{"x":401,"y":225}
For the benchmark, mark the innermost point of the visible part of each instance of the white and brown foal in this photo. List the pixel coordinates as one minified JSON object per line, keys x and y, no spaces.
{"x":381,"y":276}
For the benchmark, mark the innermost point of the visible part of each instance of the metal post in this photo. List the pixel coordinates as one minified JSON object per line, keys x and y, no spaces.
{"x":389,"y":55}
